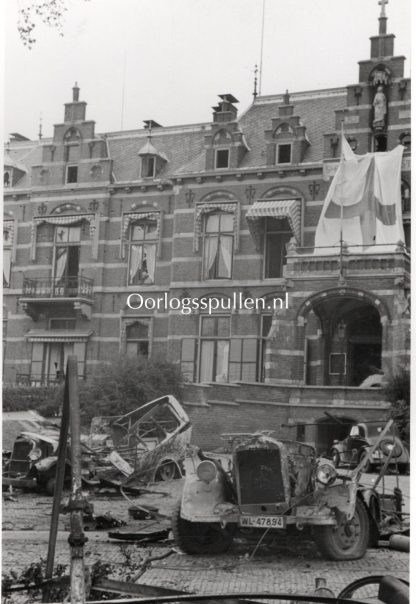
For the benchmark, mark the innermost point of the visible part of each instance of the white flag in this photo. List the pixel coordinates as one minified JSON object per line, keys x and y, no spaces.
{"x":363,"y":204}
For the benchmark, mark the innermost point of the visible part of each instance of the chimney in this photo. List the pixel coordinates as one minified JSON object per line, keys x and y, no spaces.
{"x":225,"y":110}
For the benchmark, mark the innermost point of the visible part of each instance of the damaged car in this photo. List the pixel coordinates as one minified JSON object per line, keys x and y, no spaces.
{"x":352,"y":449}
{"x":147,"y":444}
{"x":33,"y":459}
{"x":274,"y":485}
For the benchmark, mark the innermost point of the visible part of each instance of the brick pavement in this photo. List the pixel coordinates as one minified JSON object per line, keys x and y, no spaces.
{"x":25,"y":536}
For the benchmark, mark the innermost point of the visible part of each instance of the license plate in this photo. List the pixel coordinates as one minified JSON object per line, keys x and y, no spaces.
{"x":263,"y":521}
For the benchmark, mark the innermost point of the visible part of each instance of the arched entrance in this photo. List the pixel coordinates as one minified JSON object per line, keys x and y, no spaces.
{"x":343,"y":339}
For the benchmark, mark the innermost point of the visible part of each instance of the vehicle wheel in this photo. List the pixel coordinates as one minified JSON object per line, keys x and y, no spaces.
{"x":199,"y":537}
{"x":168,"y":471}
{"x":334,"y":455}
{"x":349,"y":540}
{"x":368,"y":465}
{"x":50,"y":486}
{"x":366,"y":589}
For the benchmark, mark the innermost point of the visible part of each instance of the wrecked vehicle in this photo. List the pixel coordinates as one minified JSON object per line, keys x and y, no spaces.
{"x":276,"y":485}
{"x":147,"y":444}
{"x":32,"y":463}
{"x":362,"y":436}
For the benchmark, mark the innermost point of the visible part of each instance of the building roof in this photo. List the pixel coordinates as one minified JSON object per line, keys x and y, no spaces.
{"x":183,"y":146}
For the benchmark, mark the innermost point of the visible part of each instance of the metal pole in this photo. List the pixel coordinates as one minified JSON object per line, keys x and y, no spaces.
{"x":59,"y":483}
{"x":76,"y":538}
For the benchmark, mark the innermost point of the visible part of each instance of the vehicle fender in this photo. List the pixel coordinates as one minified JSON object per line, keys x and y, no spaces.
{"x":46,"y":464}
{"x":199,"y":499}
{"x":164,"y":460}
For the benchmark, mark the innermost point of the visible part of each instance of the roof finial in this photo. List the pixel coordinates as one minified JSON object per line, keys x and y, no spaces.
{"x":75,"y":92}
{"x":286,"y":97}
{"x":40,"y":127}
{"x":255,"y":81}
{"x":382,"y":20}
{"x":383,"y":3}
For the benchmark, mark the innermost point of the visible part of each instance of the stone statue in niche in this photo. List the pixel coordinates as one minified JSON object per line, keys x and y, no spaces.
{"x":380,"y":108}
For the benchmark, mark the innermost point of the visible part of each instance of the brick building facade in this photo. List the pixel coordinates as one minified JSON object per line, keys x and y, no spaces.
{"x":210,"y":210}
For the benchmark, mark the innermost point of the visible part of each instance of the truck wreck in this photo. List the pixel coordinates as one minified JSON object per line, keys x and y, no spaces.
{"x":145,"y":445}
{"x":276,"y":485}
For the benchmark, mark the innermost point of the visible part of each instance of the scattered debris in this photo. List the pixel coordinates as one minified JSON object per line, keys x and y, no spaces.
{"x":401,"y":543}
{"x":102,"y":522}
{"x":143,"y":513}
{"x":142,"y":536}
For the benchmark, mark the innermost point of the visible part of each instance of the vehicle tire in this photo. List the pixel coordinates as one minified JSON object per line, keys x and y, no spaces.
{"x":199,"y":537}
{"x":335,"y":456}
{"x":349,"y":540}
{"x":50,"y":486}
{"x":366,"y":588}
{"x":368,"y":465}
{"x":167,"y":471}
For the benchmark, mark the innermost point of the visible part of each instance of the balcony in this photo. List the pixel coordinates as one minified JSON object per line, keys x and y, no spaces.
{"x":306,"y":263}
{"x":40,"y":295}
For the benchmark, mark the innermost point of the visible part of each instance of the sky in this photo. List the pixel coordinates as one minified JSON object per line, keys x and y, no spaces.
{"x":176,"y":56}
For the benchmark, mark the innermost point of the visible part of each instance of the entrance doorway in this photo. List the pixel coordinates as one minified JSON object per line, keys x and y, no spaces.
{"x":350,"y":347}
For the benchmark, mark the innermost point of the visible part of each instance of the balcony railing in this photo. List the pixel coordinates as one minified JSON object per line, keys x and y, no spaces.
{"x":67,"y":287}
{"x":305,"y":261}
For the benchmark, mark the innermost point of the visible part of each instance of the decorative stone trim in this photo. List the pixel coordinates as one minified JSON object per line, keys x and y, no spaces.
{"x":131,"y":217}
{"x":93,"y":219}
{"x":206,"y":208}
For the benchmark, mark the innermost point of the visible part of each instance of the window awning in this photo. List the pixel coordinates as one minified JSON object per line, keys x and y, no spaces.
{"x":278,"y":208}
{"x":57,"y":335}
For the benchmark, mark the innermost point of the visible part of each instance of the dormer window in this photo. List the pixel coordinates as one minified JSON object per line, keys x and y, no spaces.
{"x":284,"y":153}
{"x":71,"y":174}
{"x":7,"y":178}
{"x":222,"y":158}
{"x":148,"y":166}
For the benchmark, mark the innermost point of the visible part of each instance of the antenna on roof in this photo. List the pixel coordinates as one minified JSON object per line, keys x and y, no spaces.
{"x":123,"y":89}
{"x":255,"y":81}
{"x":40,"y":127}
{"x":261,"y":45}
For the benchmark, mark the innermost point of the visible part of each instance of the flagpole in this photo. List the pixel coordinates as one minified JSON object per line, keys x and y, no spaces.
{"x":341,"y":259}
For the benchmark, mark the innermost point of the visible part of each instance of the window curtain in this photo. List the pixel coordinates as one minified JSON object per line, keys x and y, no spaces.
{"x":150,"y":254}
{"x":7,"y":255}
{"x":61,"y":260}
{"x":225,"y":255}
{"x":206,"y":361}
{"x":223,"y":352}
{"x":136,"y":255}
{"x":211,"y":249}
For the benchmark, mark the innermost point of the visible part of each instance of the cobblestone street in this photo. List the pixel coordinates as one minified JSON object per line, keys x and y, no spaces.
{"x":287,"y":567}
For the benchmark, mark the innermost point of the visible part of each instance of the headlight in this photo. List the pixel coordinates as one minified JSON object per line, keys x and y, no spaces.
{"x":35,"y":454}
{"x":206,"y":471}
{"x":325,"y":474}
